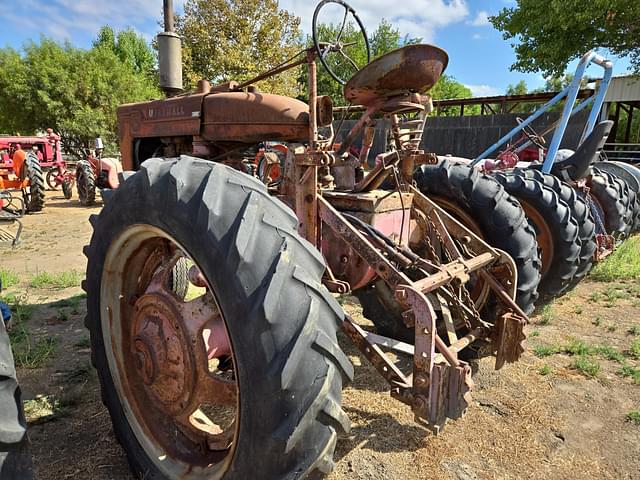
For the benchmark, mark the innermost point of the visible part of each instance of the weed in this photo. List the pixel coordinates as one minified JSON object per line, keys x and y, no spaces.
{"x":546,"y":315}
{"x":611,"y":328}
{"x":634,"y":348}
{"x":610,"y":353}
{"x":629,"y":371}
{"x":622,"y":264}
{"x":578,"y":347}
{"x":588,"y":367}
{"x":545,"y":370}
{"x":597,"y":320}
{"x":8,"y":278}
{"x":595,"y":297}
{"x":578,"y":310}
{"x":535,"y":333}
{"x":30,"y":353}
{"x":635,"y":330}
{"x":634,"y":417}
{"x":542,"y":351}
{"x":63,"y":315}
{"x":59,"y":280}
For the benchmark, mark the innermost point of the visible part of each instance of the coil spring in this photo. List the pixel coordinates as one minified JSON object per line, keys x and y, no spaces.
{"x":408,"y":133}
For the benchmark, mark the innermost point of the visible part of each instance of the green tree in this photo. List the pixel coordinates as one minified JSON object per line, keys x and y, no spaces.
{"x":226,"y":40}
{"x":448,"y":88}
{"x":131,"y":49}
{"x":74,"y":91}
{"x":550,"y":34}
{"x":519,"y":88}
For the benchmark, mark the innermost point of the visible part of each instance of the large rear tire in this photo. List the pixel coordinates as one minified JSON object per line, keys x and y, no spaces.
{"x":579,"y":210}
{"x":481,"y":200}
{"x":34,"y":194}
{"x":556,"y":230}
{"x":280,"y":320}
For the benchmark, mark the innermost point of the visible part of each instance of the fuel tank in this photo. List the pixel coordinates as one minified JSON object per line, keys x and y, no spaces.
{"x":254,"y":117}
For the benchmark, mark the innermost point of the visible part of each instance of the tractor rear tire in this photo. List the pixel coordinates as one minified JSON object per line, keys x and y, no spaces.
{"x":86,"y":183}
{"x":67,"y":189}
{"x":579,"y":210}
{"x":280,"y":319}
{"x":34,"y":194}
{"x":615,"y":205}
{"x":498,"y":215}
{"x":556,"y":230}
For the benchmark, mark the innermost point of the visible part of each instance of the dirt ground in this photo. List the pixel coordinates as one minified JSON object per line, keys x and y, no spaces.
{"x":543,"y":417}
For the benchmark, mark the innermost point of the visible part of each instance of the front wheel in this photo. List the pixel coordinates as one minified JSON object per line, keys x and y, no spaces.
{"x":241,"y":382}
{"x":34,"y":193}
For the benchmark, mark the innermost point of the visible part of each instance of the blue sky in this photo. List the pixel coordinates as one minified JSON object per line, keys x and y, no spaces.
{"x":479,"y":57}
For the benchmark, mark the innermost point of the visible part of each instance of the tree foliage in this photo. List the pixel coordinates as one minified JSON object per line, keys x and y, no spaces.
{"x":448,"y":88}
{"x":130,"y":48}
{"x":552,"y":33}
{"x":226,"y":40}
{"x":74,"y":91}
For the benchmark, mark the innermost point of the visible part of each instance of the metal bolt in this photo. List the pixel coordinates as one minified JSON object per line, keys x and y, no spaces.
{"x":344,"y":259}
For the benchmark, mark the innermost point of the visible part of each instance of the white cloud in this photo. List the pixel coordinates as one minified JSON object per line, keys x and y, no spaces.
{"x":481,"y":19}
{"x":417,"y":18}
{"x":483,"y":90}
{"x":477,"y":36}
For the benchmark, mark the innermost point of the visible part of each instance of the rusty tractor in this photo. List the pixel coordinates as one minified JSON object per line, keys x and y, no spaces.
{"x":240,"y":376}
{"x":20,"y":170}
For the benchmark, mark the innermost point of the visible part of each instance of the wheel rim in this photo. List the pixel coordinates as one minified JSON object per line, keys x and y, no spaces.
{"x":480,"y":291}
{"x":51,"y":180}
{"x":164,"y":354}
{"x":544,"y":236}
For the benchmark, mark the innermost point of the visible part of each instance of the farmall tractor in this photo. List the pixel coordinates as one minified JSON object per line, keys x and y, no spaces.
{"x":95,"y":173}
{"x":241,"y":376}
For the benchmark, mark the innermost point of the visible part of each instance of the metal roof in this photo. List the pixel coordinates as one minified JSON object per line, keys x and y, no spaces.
{"x":624,"y":89}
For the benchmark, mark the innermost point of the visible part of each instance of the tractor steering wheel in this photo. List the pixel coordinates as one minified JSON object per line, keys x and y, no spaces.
{"x":333,"y":52}
{"x":532,"y":135}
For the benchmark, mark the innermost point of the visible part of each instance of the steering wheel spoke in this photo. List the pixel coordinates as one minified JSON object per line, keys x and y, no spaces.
{"x":330,"y":52}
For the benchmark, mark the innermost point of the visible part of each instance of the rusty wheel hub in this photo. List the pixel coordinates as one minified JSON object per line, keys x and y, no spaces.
{"x":161,"y":352}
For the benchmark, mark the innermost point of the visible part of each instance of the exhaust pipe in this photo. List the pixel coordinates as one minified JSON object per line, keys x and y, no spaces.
{"x":169,"y":54}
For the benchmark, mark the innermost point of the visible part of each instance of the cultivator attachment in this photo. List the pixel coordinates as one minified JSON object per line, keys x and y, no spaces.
{"x":11,"y":210}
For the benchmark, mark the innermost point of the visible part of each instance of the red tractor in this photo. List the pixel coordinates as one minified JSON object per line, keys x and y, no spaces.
{"x":93,"y":173}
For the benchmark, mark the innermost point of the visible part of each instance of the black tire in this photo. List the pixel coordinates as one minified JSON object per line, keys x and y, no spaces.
{"x":85,"y":183}
{"x":556,"y":216}
{"x":67,"y":189}
{"x":611,"y":197}
{"x":290,"y":368}
{"x":579,"y":210}
{"x":34,"y":194}
{"x":498,"y":214}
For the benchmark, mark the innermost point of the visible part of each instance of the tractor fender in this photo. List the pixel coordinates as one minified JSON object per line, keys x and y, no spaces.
{"x":113,"y":168}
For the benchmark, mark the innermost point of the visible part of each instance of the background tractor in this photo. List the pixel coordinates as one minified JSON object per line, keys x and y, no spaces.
{"x":20,"y":170}
{"x":241,"y":376}
{"x":92,"y":173}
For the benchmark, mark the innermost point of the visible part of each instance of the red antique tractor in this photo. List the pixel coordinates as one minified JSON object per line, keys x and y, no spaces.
{"x":94,"y":173}
{"x":241,"y":376}
{"x":20,"y":170}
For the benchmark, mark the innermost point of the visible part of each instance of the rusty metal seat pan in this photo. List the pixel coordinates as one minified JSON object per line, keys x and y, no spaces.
{"x":413,"y":68}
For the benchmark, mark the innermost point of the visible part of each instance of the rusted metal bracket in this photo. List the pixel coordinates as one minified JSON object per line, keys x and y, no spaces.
{"x":508,"y":337}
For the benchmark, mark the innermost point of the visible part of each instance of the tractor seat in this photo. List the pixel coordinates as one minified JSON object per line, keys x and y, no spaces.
{"x":575,"y":167}
{"x":410,"y":69}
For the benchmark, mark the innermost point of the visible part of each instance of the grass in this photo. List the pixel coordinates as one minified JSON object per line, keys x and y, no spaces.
{"x":72,"y":303}
{"x":59,"y":280}
{"x":545,"y":370}
{"x":611,"y":328}
{"x":546,"y":315}
{"x":635,"y":330}
{"x":578,"y":310}
{"x":535,"y":333}
{"x":542,"y":351}
{"x":597,"y":321}
{"x":622,"y":264}
{"x":587,"y":366}
{"x":8,"y":278}
{"x":634,"y":417}
{"x":629,"y":371}
{"x":634,"y":348}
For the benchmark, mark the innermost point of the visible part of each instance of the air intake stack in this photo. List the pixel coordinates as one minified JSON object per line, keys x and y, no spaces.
{"x":169,"y":54}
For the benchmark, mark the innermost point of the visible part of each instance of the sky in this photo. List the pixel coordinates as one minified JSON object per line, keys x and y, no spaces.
{"x":478,"y":55}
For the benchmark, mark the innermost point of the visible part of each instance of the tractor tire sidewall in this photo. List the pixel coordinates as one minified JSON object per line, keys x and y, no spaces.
{"x":85,"y":183}
{"x":280,"y":319}
{"x":67,"y":189}
{"x":580,"y":211}
{"x":499,"y":216}
{"x":559,"y":221}
{"x":35,"y":195}
{"x":615,"y":205}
